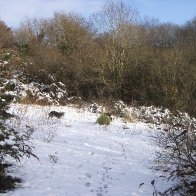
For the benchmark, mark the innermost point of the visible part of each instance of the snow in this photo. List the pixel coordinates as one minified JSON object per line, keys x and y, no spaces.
{"x":52,"y":93}
{"x":2,"y":143}
{"x":5,"y":62}
{"x":78,"y":157}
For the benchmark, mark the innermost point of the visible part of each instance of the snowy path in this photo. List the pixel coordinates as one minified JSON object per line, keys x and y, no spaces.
{"x":80,"y":158}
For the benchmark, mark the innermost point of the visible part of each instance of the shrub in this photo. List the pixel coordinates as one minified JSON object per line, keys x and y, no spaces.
{"x":10,"y":86}
{"x":178,"y":157}
{"x":13,"y":143}
{"x":7,"y":182}
{"x":6,"y":39}
{"x":104,"y":119}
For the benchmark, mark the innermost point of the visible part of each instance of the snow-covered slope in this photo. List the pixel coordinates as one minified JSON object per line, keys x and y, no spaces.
{"x":78,"y":157}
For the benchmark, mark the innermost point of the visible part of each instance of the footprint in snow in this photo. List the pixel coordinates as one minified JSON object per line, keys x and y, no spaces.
{"x":88,"y":175}
{"x":99,"y":194}
{"x":88,"y":184}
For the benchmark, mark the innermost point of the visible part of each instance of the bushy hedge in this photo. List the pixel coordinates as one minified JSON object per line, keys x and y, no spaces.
{"x":136,"y":61}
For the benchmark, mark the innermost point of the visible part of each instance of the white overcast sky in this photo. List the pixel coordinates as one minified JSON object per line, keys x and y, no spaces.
{"x":175,"y":11}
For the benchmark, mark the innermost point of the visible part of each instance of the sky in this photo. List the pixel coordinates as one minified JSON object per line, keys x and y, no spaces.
{"x":12,"y":12}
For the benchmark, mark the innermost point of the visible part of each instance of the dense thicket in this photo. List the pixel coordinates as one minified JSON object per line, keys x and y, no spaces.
{"x":114,"y":54}
{"x":13,"y":143}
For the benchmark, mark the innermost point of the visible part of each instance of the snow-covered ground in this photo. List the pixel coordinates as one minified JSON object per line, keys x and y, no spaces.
{"x":78,"y":157}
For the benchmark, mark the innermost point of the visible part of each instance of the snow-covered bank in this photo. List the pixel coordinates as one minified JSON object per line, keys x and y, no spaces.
{"x":80,"y":158}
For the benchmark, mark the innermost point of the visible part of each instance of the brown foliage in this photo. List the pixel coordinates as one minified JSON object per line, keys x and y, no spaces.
{"x":6,"y":39}
{"x":123,"y":57}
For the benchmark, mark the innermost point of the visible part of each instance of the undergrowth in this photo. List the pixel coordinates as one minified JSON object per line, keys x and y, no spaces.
{"x":104,"y":119}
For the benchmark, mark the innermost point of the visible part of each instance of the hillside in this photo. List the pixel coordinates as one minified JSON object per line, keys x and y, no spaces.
{"x":99,"y":106}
